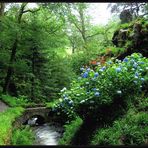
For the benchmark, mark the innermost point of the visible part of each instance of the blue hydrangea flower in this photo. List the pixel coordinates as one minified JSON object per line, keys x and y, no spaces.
{"x":94,"y":89}
{"x":125,"y":60}
{"x":65,"y":95}
{"x":103,"y":68}
{"x":119,"y":92}
{"x":140,"y":55}
{"x":82,"y":69}
{"x":53,"y":109}
{"x":109,"y":62}
{"x":88,"y":69}
{"x":141,"y":62}
{"x":92,"y":101}
{"x":85,"y":74}
{"x":118,"y":61}
{"x":132,"y":61}
{"x":82,"y":101}
{"x":135,"y":82}
{"x":137,"y":74}
{"x":135,"y":65}
{"x":118,"y":69}
{"x":63,"y":89}
{"x":93,"y":79}
{"x":87,"y":92}
{"x":70,"y":102}
{"x":142,"y":79}
{"x":79,"y":78}
{"x":96,"y":74}
{"x":97,"y":94}
{"x":66,"y":99}
{"x":87,"y":83}
{"x":62,"y":104}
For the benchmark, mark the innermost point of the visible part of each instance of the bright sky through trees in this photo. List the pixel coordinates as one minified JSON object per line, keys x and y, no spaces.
{"x":98,"y":11}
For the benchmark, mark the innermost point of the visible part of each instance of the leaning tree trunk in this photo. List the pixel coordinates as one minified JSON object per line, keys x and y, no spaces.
{"x":33,"y":72}
{"x":10,"y":67}
{"x":13,"y":52}
{"x":2,"y":8}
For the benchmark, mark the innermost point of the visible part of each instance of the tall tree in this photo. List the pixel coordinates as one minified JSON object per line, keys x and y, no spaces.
{"x":13,"y":51}
{"x":129,"y":11}
{"x":14,"y":48}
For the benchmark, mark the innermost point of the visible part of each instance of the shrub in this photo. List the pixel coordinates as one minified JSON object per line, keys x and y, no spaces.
{"x":70,"y":131}
{"x":22,"y":136}
{"x":114,"y":82}
{"x":131,"y":130}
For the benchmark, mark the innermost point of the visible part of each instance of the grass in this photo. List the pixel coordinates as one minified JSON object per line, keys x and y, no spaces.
{"x":70,"y":130}
{"x":22,"y":136}
{"x":6,"y":120}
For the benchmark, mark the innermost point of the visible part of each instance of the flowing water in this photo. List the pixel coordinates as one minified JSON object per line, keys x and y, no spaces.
{"x":47,"y":134}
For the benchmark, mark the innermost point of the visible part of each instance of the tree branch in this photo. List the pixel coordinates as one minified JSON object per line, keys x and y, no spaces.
{"x":143,"y":14}
{"x":32,"y":11}
{"x":21,"y":12}
{"x":55,"y":30}
{"x":93,"y":35}
{"x":77,"y":26}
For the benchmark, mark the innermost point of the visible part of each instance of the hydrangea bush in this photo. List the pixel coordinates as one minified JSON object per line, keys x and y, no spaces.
{"x":100,"y":87}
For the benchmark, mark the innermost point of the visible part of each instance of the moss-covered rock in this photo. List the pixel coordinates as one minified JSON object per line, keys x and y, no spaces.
{"x":133,"y":37}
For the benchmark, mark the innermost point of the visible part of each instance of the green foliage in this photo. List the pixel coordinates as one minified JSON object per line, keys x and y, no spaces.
{"x":40,"y":70}
{"x":117,"y":50}
{"x":80,"y":59}
{"x":70,"y":131}
{"x":104,"y":86}
{"x":141,"y":103}
{"x":16,"y":102}
{"x":22,"y":136}
{"x":60,"y":75}
{"x":51,"y":104}
{"x":6,"y":120}
{"x":130,"y":130}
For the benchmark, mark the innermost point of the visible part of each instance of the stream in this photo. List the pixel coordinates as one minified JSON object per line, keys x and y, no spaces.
{"x":47,"y":134}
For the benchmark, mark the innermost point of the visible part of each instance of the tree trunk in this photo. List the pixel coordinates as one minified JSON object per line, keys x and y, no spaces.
{"x":73,"y":49}
{"x":2,"y":8}
{"x":10,"y":67}
{"x":83,"y":31}
{"x":33,"y":72}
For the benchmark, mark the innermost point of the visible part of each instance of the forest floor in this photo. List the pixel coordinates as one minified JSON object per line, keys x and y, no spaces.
{"x":3,"y":106}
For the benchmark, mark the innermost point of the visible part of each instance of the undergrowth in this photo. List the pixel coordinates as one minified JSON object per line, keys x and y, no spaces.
{"x":131,"y":129}
{"x":70,"y":131}
{"x":6,"y":120}
{"x":22,"y":136}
